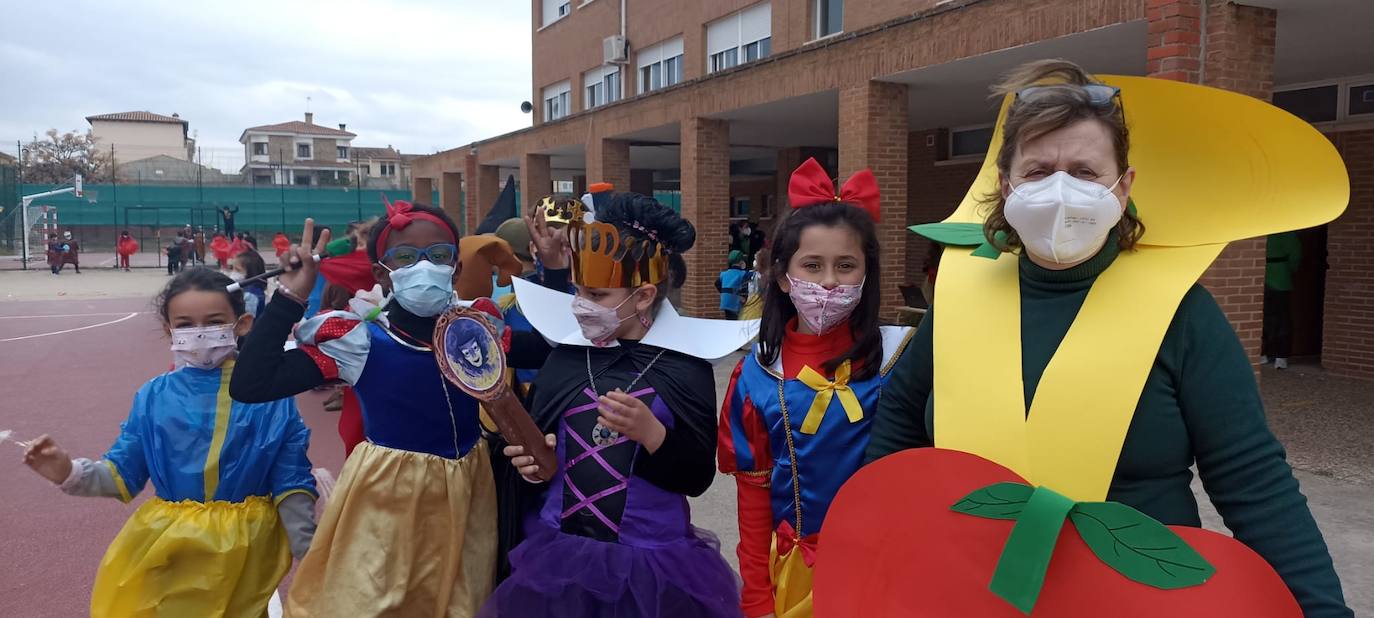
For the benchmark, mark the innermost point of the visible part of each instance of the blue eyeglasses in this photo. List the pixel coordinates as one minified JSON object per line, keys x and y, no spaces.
{"x":1099,"y":95}
{"x":404,"y":256}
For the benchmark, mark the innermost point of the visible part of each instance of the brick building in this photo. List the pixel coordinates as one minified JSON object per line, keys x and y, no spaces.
{"x":720,"y":99}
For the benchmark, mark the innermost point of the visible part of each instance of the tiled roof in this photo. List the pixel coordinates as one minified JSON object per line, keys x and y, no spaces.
{"x":297,"y":126}
{"x":364,"y":152}
{"x":137,"y":117}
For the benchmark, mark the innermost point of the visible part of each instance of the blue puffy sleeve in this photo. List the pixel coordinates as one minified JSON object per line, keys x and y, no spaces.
{"x":126,"y":458}
{"x":291,"y":470}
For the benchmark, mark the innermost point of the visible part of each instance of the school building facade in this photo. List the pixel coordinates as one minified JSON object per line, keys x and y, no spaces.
{"x":721,"y":99}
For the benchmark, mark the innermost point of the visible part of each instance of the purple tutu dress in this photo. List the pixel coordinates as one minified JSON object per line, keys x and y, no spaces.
{"x":610,"y":544}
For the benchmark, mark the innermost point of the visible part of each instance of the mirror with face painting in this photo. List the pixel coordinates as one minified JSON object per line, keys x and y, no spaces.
{"x":469,"y":353}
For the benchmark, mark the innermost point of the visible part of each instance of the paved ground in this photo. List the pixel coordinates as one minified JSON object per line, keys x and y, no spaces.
{"x":73,"y":350}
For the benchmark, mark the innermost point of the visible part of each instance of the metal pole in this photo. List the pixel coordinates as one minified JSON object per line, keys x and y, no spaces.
{"x":23,"y":207}
{"x":114,"y":203}
{"x":358,"y":185}
{"x":24,"y":214}
{"x":281,"y":165}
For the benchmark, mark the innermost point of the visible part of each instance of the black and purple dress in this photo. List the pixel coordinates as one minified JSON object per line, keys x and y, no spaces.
{"x":611,"y":535}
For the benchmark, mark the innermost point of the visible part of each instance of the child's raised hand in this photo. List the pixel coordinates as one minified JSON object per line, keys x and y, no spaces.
{"x":299,"y":263}
{"x":550,"y":242}
{"x":629,"y":417}
{"x":48,"y":460}
{"x":525,"y":464}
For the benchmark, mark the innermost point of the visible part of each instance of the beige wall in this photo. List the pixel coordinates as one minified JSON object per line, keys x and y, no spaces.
{"x":281,"y":148}
{"x":326,"y":149}
{"x":140,"y":140}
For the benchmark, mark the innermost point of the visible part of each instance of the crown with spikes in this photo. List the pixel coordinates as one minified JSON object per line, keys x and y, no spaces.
{"x":606,"y":256}
{"x":560,"y":209}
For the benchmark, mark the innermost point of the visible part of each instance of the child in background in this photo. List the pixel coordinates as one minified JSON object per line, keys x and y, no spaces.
{"x":731,"y":283}
{"x":55,"y":250}
{"x":173,"y":252}
{"x":280,"y":244}
{"x":229,"y":476}
{"x":220,"y":246}
{"x":125,"y":247}
{"x":796,"y":417}
{"x":246,"y":266}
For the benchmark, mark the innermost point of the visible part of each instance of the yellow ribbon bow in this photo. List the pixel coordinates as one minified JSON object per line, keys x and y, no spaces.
{"x":825,"y":391}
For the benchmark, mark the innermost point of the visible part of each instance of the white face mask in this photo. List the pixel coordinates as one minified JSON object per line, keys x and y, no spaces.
{"x":203,"y":347}
{"x":424,"y":289}
{"x":1063,"y":219}
{"x":235,"y":275}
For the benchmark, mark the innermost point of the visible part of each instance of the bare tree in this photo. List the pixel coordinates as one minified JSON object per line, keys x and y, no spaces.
{"x":57,"y":157}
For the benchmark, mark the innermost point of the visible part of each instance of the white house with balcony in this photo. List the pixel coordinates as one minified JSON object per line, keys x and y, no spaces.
{"x":298,"y":153}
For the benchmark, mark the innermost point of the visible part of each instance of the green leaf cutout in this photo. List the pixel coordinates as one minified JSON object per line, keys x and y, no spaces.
{"x":1139,"y":547}
{"x":953,"y":234}
{"x":996,"y":501}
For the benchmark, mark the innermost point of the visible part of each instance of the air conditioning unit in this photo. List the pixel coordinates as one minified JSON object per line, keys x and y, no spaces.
{"x":614,"y":49}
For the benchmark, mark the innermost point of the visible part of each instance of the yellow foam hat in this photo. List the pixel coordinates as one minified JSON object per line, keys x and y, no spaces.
{"x":1212,"y":166}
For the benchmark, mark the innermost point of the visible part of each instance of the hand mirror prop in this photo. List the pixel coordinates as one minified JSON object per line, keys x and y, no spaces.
{"x":468,"y":351}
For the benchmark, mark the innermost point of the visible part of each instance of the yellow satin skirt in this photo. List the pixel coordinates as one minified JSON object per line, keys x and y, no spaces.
{"x":404,"y":534}
{"x":791,"y":582}
{"x":753,"y":307}
{"x":193,"y":559}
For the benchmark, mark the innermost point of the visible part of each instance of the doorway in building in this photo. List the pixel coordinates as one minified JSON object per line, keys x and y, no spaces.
{"x":1309,"y":294}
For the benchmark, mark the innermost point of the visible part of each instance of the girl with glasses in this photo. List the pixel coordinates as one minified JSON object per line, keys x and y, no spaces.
{"x":412,"y":527}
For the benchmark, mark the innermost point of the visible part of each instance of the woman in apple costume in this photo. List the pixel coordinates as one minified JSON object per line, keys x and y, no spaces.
{"x":1082,"y":371}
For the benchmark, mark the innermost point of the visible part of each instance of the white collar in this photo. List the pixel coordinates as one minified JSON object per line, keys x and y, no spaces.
{"x":549,"y":311}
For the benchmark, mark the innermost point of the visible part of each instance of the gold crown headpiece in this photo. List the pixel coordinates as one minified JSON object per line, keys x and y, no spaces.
{"x":605,"y":256}
{"x":561,"y":209}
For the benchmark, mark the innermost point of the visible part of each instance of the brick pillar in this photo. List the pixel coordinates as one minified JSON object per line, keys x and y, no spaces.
{"x":1174,"y":40}
{"x":1239,"y":42}
{"x":536,"y":179}
{"x":873,"y":135}
{"x":608,"y":160}
{"x":706,"y":203}
{"x":642,"y":181}
{"x":451,"y":199}
{"x":488,"y":190}
{"x":1347,"y":322}
{"x":788,"y":160}
{"x":472,"y":209}
{"x":421,"y":189}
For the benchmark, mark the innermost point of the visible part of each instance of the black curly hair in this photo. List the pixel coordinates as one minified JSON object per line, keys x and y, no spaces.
{"x":677,"y":235}
{"x":376,"y":232}
{"x":199,"y":279}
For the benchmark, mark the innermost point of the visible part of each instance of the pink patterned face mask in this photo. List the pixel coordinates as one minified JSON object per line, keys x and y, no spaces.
{"x":824,"y":309}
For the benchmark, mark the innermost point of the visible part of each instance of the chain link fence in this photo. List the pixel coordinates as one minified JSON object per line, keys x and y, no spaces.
{"x":154,"y":213}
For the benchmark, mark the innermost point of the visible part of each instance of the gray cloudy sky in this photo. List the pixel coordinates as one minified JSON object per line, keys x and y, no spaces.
{"x":421,"y":75}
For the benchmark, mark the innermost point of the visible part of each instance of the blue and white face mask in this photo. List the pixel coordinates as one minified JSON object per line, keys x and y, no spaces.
{"x":424,"y":288}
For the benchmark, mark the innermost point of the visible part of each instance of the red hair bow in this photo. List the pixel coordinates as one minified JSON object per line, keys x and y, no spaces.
{"x":810,"y":185}
{"x":397,"y":213}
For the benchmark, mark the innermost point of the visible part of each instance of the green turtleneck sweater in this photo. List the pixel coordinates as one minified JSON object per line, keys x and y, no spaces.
{"x":1200,"y":405}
